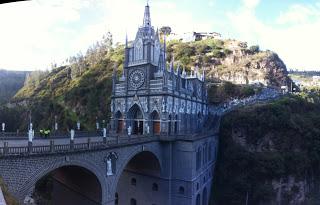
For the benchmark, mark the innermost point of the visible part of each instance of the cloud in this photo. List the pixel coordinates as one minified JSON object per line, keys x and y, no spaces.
{"x":299,"y":14}
{"x":250,"y":4}
{"x":211,"y":3}
{"x":295,"y":40}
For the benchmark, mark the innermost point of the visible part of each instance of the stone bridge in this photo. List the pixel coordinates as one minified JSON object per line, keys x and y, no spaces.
{"x":144,"y":169}
{"x":120,"y":169}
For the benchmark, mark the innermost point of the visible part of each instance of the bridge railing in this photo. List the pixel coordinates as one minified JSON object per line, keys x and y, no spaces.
{"x":54,"y":135}
{"x":72,"y":147}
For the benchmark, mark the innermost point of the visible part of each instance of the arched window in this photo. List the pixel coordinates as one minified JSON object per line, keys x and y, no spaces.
{"x":181,"y":190}
{"x":133,"y":201}
{"x":155,"y":123}
{"x":133,"y":181}
{"x":154,"y":187}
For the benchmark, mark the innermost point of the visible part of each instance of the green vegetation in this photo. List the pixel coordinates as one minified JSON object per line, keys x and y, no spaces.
{"x":10,"y":200}
{"x":81,"y":90}
{"x":267,"y":142}
{"x":219,"y":93}
{"x":190,"y":54}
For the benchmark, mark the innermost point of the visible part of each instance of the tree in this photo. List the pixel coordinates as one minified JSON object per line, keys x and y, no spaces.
{"x":254,"y":49}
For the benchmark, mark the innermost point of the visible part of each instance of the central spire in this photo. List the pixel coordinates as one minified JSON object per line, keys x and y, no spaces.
{"x":146,"y":18}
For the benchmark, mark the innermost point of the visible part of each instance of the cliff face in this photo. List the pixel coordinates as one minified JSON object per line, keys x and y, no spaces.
{"x":245,"y":66}
{"x":270,"y":153}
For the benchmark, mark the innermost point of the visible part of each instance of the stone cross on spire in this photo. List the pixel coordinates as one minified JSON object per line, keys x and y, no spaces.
{"x":147,"y":18}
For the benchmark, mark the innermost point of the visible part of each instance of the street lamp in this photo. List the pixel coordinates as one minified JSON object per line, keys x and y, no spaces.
{"x":97,"y":124}
{"x":55,"y":123}
{"x":78,"y":125}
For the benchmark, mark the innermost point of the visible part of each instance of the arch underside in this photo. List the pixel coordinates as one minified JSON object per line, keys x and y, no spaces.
{"x":59,"y":176}
{"x":141,"y":181}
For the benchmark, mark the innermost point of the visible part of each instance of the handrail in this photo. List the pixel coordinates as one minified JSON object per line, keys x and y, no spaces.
{"x":61,"y":148}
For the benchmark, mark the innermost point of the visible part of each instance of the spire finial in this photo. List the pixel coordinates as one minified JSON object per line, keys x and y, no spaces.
{"x":147,"y":18}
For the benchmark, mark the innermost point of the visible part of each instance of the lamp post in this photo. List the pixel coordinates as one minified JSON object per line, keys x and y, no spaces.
{"x":55,"y":123}
{"x":71,"y":138}
{"x":78,"y":125}
{"x":3,"y":128}
{"x":104,"y":135}
{"x":97,"y":124}
{"x":30,"y":138}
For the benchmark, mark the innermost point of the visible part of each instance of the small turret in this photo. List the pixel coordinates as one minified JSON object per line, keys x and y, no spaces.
{"x":184,"y":73}
{"x":126,"y":40}
{"x":178,"y":70}
{"x":114,"y":78}
{"x":171,"y":67}
{"x":203,"y":75}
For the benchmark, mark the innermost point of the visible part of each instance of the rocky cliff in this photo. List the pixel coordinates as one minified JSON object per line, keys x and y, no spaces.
{"x":231,"y":60}
{"x":270,"y":154}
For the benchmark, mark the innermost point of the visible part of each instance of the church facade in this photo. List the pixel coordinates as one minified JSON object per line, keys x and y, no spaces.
{"x":152,"y":97}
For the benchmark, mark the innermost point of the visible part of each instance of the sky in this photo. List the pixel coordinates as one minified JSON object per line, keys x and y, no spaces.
{"x":34,"y":34}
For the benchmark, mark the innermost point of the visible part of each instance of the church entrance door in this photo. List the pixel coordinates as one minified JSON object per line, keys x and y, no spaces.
{"x":137,"y":121}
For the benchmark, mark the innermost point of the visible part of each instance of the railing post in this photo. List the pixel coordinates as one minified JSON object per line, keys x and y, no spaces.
{"x":51,"y":145}
{"x":72,"y":139}
{"x":29,"y":147}
{"x":89,"y":143}
{"x":104,"y":135}
{"x":30,"y":138}
{"x":5,"y":148}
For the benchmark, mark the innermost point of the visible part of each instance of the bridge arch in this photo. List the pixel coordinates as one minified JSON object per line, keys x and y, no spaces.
{"x":137,"y":155}
{"x":29,"y":186}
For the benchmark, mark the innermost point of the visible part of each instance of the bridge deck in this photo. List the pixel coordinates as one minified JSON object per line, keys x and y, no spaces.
{"x":21,"y":147}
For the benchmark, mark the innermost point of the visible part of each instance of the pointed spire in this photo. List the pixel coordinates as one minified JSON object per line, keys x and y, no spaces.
{"x":178,"y":70}
{"x":203,"y":75}
{"x":126,"y":40}
{"x":184,"y":72}
{"x":171,"y":67}
{"x":196,"y":71}
{"x":147,"y":18}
